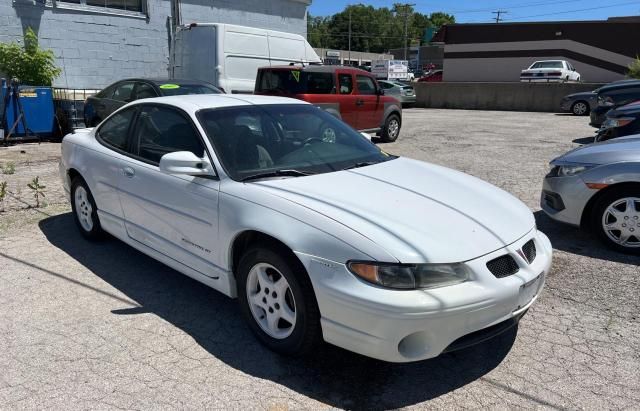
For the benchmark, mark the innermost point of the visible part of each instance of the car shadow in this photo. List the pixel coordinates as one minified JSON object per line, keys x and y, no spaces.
{"x":584,"y":140}
{"x":564,"y":114}
{"x":331,"y":375}
{"x":579,"y":241}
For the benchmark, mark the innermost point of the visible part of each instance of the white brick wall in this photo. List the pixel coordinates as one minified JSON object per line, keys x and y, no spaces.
{"x":95,"y":50}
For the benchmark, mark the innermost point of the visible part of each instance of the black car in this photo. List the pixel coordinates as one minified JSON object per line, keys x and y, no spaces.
{"x":623,"y":121}
{"x":612,"y":96}
{"x":580,"y":104}
{"x":111,"y":98}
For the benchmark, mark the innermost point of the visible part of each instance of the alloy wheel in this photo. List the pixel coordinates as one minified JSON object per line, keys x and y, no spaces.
{"x":393,"y":128}
{"x":621,"y":222}
{"x":580,"y":108}
{"x":271,"y":301}
{"x":84,"y":210}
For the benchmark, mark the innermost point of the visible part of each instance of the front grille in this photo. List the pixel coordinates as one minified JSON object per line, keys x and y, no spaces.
{"x":529,"y":250}
{"x":503,"y":266}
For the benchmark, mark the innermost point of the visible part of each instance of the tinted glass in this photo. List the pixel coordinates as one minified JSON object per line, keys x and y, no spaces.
{"x":114,"y":131}
{"x":346,"y":83}
{"x":161,"y":130}
{"x":107,"y":92}
{"x":385,"y":85}
{"x":366,"y":85}
{"x":144,"y":90}
{"x":547,"y":64}
{"x":123,"y":92}
{"x":250,"y":140}
{"x":184,"y":89}
{"x":295,"y":82}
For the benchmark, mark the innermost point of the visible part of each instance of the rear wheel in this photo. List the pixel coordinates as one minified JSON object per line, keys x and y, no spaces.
{"x":580,"y":108}
{"x":85,"y":211}
{"x":277,"y":300}
{"x":391,"y":129}
{"x":616,"y":219}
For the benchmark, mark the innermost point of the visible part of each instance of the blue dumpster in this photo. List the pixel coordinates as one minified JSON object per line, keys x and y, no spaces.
{"x":37,"y":104}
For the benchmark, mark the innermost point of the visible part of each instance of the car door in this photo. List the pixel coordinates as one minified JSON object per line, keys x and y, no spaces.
{"x":175,"y":215}
{"x":370,"y":108}
{"x":347,"y":98}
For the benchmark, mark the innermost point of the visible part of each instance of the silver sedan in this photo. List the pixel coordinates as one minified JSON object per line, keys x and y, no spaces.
{"x":403,"y":92}
{"x":598,"y":186}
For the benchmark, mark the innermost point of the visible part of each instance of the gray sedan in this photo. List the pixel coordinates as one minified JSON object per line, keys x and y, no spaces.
{"x":580,"y":104}
{"x":403,"y":92}
{"x":598,"y":186}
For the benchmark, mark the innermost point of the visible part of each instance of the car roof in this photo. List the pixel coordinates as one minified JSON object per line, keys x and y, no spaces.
{"x":159,"y":81}
{"x":548,"y":61}
{"x":316,"y":68}
{"x":195,"y":102}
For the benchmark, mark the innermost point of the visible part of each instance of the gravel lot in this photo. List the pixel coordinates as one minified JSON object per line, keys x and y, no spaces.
{"x":102,"y":326}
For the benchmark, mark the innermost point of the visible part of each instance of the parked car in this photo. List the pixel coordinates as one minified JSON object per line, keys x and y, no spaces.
{"x":401,"y":91}
{"x":229,"y":56}
{"x":550,"y":71}
{"x":348,"y":93}
{"x":612,"y":96}
{"x":580,"y":104}
{"x":319,"y":235}
{"x":620,"y":122}
{"x":101,"y":105}
{"x":434,"y":76}
{"x":598,"y":186}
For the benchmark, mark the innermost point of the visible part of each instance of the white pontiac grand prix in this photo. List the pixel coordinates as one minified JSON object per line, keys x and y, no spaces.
{"x":318,"y":232}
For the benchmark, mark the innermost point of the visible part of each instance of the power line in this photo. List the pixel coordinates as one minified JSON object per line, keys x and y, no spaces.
{"x":576,"y":10}
{"x":498,"y":13}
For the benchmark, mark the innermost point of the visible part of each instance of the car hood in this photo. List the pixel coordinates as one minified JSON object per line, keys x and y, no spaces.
{"x":631,"y":108}
{"x":611,"y":151}
{"x":415,"y":211}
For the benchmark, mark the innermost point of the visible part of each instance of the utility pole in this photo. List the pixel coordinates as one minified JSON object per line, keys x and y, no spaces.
{"x":498,"y":13}
{"x":349,"y":36}
{"x":406,"y":15}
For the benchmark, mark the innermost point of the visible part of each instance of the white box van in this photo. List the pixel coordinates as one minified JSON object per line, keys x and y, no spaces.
{"x":229,"y":56}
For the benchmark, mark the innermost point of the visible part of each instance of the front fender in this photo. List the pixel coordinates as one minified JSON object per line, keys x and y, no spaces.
{"x":389,"y":108}
{"x":616,"y":173}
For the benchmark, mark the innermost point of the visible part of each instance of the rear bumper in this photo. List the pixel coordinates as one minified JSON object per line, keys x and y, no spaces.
{"x":412,"y":325}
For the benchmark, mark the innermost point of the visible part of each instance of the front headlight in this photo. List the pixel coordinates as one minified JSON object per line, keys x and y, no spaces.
{"x":617,"y":122}
{"x":410,"y":276}
{"x":605,"y":101}
{"x":567,"y":170}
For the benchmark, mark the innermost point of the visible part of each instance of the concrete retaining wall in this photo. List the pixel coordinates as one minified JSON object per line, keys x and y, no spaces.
{"x":497,"y":96}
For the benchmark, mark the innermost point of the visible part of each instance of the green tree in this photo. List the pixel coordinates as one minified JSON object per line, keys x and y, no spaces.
{"x":634,"y":68}
{"x":31,"y":64}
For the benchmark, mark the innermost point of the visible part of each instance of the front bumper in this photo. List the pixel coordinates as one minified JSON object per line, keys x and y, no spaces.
{"x":412,"y":325}
{"x":564,"y":198}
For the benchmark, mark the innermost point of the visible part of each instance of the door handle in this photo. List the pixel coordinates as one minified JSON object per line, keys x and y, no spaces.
{"x":359,"y":102}
{"x":128,"y":172}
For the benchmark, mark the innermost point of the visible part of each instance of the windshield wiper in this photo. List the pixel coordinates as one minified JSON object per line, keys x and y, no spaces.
{"x":277,"y":173}
{"x":361,"y":164}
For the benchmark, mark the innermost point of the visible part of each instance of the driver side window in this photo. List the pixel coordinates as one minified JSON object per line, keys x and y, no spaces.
{"x":162,"y":130}
{"x":123,"y":92}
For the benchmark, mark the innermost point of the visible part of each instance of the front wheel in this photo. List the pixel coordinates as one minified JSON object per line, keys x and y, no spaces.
{"x":277,"y":300}
{"x":391,"y":129}
{"x":580,"y":108}
{"x":85,"y":211}
{"x":616,"y":219}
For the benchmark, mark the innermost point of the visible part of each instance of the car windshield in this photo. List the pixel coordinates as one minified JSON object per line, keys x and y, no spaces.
{"x":175,"y":89}
{"x":547,"y":64}
{"x":285,"y":139}
{"x":295,"y":82}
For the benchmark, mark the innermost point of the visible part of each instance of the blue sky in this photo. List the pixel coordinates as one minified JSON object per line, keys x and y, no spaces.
{"x":518,"y":10}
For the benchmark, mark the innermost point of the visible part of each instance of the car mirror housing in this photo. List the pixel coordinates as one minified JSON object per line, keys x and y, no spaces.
{"x":185,"y":163}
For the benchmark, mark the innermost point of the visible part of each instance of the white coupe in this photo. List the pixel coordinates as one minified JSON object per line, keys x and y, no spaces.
{"x":550,"y":71}
{"x":319,"y":233}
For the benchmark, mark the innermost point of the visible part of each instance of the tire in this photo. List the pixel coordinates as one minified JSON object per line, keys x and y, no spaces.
{"x":580,"y":108}
{"x":85,"y":211}
{"x":627,"y":224}
{"x":391,"y":129}
{"x":259,"y":273}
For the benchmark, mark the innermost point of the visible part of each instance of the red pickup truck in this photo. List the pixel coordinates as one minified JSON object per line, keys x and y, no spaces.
{"x":350,"y":94}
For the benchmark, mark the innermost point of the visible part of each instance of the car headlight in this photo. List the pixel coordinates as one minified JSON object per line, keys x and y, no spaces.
{"x":567,"y":170}
{"x":605,"y":101}
{"x":410,"y":276}
{"x":617,"y":122}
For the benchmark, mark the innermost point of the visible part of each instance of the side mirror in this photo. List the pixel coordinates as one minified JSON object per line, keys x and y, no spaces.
{"x":185,"y":163}
{"x":380,"y":92}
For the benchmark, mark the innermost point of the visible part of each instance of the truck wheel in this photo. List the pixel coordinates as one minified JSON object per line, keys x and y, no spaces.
{"x":391,"y":129}
{"x":616,"y":219}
